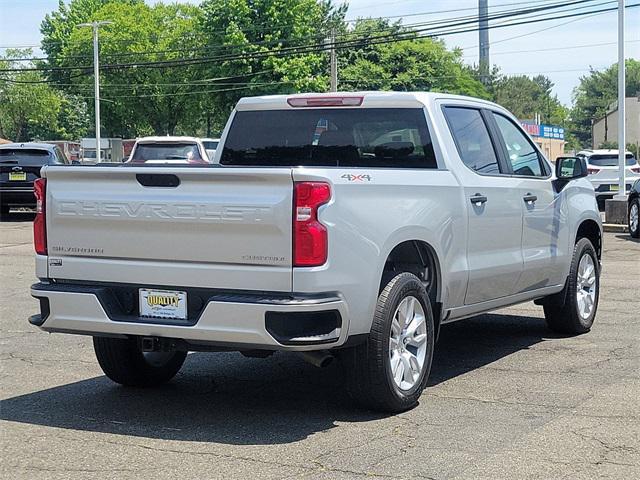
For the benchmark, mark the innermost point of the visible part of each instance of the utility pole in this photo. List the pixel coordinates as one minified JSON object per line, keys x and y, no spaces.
{"x":483,"y":36}
{"x":622,"y":189}
{"x":333,"y":62}
{"x":96,"y":77}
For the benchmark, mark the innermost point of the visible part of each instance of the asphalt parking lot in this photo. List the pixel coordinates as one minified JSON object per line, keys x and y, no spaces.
{"x":507,"y":399}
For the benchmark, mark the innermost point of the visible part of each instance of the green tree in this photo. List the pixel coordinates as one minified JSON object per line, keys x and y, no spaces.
{"x":525,"y":97}
{"x":256,"y":34}
{"x":140,"y":100}
{"x":57,"y":27}
{"x":596,"y":93}
{"x":414,"y":64}
{"x":31,"y":109}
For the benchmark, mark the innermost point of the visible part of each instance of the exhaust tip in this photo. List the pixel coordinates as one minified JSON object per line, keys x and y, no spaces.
{"x":320,"y":358}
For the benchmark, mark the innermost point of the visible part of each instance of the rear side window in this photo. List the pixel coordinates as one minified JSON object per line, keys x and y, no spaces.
{"x":24,"y":156}
{"x":472,"y":139}
{"x":610,"y":160}
{"x":365,"y":137}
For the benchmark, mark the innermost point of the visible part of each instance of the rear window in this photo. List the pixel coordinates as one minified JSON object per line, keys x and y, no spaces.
{"x":610,"y":160}
{"x":210,"y":145}
{"x":146,"y":152}
{"x":24,"y":156}
{"x":367,"y":137}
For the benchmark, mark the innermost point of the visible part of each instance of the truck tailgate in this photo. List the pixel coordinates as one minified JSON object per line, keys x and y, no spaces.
{"x":219,"y":227}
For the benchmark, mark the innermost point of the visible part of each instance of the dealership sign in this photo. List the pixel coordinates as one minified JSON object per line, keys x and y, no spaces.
{"x":544,"y":131}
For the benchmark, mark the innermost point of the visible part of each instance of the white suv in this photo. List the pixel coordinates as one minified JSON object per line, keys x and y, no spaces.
{"x":602,"y":166}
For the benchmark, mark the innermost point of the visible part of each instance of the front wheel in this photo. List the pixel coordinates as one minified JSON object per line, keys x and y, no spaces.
{"x":574,"y":309}
{"x":634,"y":212}
{"x":123,"y":362}
{"x":390,"y":370}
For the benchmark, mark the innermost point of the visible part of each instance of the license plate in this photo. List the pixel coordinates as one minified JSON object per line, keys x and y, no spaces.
{"x":163,"y":304}
{"x":614,"y":188}
{"x":19,"y":176}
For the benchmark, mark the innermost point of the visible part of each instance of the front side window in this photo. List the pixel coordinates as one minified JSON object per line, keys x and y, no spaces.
{"x":522,"y":156}
{"x":60,"y":157}
{"x":332,"y":137}
{"x":472,"y":139}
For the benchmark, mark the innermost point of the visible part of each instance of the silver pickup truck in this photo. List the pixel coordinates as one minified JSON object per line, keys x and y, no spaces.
{"x":349,"y":225}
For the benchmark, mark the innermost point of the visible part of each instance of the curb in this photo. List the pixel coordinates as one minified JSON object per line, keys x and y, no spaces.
{"x":615,"y":227}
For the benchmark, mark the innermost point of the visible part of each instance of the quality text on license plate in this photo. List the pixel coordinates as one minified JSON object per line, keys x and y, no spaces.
{"x":17,"y":176}
{"x":163,"y":303}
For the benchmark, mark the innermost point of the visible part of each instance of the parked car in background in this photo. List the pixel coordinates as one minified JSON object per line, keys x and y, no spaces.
{"x":634,"y":209}
{"x":211,"y":144}
{"x":154,"y":150}
{"x":71,"y":150}
{"x":20,"y":165}
{"x":602,"y":166}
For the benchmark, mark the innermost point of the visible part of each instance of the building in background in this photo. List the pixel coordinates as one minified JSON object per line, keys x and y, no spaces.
{"x":605,"y":130}
{"x":549,"y":138}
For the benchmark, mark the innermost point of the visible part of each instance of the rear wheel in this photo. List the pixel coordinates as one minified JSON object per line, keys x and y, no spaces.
{"x":123,"y":362}
{"x":574,"y":309}
{"x":390,"y":370}
{"x":634,"y":212}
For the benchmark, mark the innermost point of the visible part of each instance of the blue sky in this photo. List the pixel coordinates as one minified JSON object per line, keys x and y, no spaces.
{"x":555,"y":56}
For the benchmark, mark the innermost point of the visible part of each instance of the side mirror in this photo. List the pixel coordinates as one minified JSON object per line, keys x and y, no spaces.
{"x":569,"y":168}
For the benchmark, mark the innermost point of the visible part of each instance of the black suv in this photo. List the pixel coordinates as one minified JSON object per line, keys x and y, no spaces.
{"x":20,"y":165}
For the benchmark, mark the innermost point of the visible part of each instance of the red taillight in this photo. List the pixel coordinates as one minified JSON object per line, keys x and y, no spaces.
{"x":325,"y":101}
{"x":40,"y":222}
{"x":310,"y":243}
{"x":592,"y":171}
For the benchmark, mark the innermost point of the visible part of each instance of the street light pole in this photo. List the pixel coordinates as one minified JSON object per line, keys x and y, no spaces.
{"x":96,"y":77}
{"x":333,"y":62}
{"x":622,"y":188}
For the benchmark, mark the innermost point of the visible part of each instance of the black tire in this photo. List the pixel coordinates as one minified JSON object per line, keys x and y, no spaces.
{"x":562,"y":311}
{"x":635,"y":233}
{"x":123,"y":362}
{"x":368,"y":368}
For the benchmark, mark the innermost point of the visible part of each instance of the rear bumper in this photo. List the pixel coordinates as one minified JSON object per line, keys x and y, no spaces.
{"x":22,"y":196}
{"x":234,"y":320}
{"x":609,"y":188}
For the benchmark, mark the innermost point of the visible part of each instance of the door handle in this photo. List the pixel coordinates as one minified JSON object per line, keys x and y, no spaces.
{"x":529,"y":198}
{"x":478,"y":199}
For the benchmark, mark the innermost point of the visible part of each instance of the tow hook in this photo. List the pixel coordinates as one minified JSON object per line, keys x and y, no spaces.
{"x":156,"y":344}
{"x":149,"y":344}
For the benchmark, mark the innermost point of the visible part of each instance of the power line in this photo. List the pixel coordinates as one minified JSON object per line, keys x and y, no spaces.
{"x":316,"y":48}
{"x":268,"y":26}
{"x":217,"y":81}
{"x":556,"y":48}
{"x":203,"y":81}
{"x":445,"y":22}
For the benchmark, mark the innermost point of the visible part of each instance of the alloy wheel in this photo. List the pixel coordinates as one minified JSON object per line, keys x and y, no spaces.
{"x":586,"y":286}
{"x":408,"y":343}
